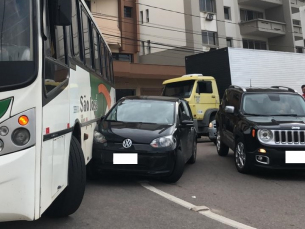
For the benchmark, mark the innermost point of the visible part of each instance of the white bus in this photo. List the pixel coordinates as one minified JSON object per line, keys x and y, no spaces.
{"x":56,"y":83}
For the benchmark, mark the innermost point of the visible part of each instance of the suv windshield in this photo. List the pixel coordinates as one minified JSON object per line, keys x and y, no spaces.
{"x":273,"y":104}
{"x":143,"y":111}
{"x":181,"y":89}
{"x":16,"y":42}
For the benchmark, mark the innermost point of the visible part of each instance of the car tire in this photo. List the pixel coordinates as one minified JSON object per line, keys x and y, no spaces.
{"x":222,"y":149}
{"x":193,"y":158}
{"x":240,"y":158}
{"x":178,"y":169}
{"x":70,"y":199}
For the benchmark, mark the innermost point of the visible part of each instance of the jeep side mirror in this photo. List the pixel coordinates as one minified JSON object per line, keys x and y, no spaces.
{"x":187,"y":123}
{"x":229,"y":109}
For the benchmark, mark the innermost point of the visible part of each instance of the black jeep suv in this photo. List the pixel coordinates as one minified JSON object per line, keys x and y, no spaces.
{"x":264,"y":127}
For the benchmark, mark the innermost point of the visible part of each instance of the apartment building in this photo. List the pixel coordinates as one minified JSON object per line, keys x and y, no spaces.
{"x":119,"y":21}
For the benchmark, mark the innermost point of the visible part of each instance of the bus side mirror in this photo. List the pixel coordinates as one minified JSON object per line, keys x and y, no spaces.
{"x":63,"y":12}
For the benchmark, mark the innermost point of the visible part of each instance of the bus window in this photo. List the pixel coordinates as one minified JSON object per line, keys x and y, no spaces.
{"x":74,"y":30}
{"x":86,"y":36}
{"x":97,"y":54}
{"x":103,"y":69}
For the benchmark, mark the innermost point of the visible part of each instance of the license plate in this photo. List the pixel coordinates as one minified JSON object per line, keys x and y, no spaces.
{"x":295,"y":157}
{"x":125,"y":158}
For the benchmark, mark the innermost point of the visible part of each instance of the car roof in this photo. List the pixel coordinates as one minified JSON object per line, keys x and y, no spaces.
{"x":157,"y":98}
{"x":188,"y":77}
{"x":274,"y":89}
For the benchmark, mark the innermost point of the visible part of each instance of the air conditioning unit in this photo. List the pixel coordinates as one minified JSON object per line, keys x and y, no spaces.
{"x":209,"y":17}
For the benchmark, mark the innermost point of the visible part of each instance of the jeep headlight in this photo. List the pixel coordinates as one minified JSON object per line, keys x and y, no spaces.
{"x":163,"y":142}
{"x":98,"y":137}
{"x":265,"y":135}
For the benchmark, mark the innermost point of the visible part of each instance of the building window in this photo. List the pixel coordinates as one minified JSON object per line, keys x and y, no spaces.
{"x":127,"y":11}
{"x":296,"y":22}
{"x":122,"y":57}
{"x":299,"y":49}
{"x":207,"y":5}
{"x":143,"y":47}
{"x":209,"y":38}
{"x":147,"y":15}
{"x":248,"y":15}
{"x":141,"y":17}
{"x":148,"y":47}
{"x":229,"y":42}
{"x":227,"y":11}
{"x":252,"y":44}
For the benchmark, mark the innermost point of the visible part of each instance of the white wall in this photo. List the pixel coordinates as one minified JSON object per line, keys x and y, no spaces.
{"x":169,"y":21}
{"x":266,"y":68}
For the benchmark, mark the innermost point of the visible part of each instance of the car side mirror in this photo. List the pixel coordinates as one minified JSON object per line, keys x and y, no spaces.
{"x":63,"y":12}
{"x":229,"y":109}
{"x":187,"y":123}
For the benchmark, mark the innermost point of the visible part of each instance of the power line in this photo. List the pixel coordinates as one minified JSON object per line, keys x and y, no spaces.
{"x":223,"y":37}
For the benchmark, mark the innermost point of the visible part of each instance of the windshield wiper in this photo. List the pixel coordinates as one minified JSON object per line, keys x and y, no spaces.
{"x":294,"y":115}
{"x":254,"y":114}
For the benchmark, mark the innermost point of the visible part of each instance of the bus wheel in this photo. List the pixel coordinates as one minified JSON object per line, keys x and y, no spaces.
{"x":70,"y":199}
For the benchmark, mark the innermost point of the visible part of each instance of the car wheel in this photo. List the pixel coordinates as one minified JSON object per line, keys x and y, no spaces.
{"x":178,"y":169}
{"x":193,"y":158}
{"x":222,"y":149}
{"x":241,"y":162}
{"x":70,"y":199}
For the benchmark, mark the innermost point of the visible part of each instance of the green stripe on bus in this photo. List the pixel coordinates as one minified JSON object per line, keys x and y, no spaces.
{"x":4,"y":104}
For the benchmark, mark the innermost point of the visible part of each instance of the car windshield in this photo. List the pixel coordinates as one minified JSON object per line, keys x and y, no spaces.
{"x":179,"y":89}
{"x":274,"y":104}
{"x":143,"y":111}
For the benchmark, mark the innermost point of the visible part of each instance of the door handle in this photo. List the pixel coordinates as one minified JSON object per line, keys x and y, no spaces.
{"x":213,"y":96}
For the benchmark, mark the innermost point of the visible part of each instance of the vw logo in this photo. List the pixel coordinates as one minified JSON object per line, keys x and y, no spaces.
{"x":127,"y":143}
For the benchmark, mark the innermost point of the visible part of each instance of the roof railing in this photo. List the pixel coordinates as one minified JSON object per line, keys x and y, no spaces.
{"x":238,"y":87}
{"x":289,"y":89}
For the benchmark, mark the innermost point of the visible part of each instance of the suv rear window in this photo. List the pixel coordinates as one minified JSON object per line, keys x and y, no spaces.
{"x":273,"y":104}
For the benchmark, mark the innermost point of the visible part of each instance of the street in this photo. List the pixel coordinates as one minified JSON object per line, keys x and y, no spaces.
{"x":264,"y":199}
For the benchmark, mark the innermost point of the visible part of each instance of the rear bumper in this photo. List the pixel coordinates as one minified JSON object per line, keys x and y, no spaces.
{"x":17,"y":185}
{"x":149,"y":163}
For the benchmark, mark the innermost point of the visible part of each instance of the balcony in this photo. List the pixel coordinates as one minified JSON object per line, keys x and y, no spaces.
{"x":297,"y":31}
{"x":297,"y":3}
{"x":263,"y":28}
{"x":263,"y":4}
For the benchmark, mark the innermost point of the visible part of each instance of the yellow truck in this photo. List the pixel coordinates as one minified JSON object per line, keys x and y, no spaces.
{"x":201,"y":93}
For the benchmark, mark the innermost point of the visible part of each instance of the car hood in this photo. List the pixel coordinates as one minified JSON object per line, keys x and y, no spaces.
{"x":279,"y":121}
{"x":141,"y":133}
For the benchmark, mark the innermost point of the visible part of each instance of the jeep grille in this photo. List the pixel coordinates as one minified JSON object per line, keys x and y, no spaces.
{"x":287,"y":137}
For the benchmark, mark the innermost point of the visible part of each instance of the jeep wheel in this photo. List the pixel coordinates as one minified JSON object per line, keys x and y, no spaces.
{"x":241,"y":162}
{"x":222,"y":149}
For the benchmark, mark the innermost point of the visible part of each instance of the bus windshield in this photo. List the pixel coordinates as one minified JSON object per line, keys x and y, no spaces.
{"x":16,"y":42}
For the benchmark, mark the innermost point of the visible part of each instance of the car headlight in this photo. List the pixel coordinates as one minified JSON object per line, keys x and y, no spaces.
{"x":211,"y":125}
{"x":98,"y":137}
{"x":265,"y":135}
{"x":163,"y":142}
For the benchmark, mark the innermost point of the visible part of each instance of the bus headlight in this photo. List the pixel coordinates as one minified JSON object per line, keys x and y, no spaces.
{"x":21,"y":136}
{"x":3,"y":130}
{"x":1,"y":145}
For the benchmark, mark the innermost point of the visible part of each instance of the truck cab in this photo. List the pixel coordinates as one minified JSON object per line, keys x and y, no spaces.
{"x":200,"y":92}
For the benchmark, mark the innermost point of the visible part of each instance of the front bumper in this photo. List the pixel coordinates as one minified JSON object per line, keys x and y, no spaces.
{"x":150,"y":162}
{"x":276,"y":157}
{"x":17,"y":185}
{"x":212,"y":133}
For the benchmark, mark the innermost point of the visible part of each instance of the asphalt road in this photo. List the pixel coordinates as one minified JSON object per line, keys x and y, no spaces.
{"x":264,"y":199}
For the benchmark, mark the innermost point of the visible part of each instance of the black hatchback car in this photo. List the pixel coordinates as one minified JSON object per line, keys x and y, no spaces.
{"x":147,"y":136}
{"x":265,"y":127}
